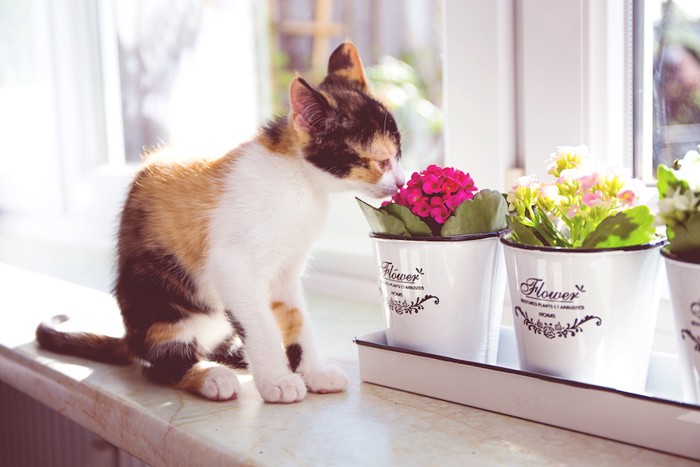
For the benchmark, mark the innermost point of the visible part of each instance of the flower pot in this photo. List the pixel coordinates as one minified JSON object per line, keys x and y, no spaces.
{"x":684,"y":284}
{"x":443,"y":295}
{"x":585,"y":314}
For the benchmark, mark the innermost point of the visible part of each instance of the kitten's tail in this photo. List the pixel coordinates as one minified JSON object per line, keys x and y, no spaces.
{"x":82,"y":344}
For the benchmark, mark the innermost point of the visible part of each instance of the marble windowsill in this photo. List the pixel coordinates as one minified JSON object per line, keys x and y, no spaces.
{"x":368,"y":425}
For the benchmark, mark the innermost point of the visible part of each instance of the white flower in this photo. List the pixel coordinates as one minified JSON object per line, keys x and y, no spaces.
{"x":677,"y":207}
{"x":690,"y":170}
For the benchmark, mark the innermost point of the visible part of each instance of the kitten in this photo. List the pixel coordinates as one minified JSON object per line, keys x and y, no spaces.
{"x":211,"y":251}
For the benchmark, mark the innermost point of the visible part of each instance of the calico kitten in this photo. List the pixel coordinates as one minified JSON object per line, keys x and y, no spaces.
{"x":211,"y":250}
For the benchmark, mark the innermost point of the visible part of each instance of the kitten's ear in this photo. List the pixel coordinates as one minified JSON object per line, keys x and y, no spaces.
{"x":309,"y":107}
{"x":345,"y":62}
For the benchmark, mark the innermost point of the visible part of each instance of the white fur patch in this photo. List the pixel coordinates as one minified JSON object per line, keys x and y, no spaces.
{"x":208,"y":330}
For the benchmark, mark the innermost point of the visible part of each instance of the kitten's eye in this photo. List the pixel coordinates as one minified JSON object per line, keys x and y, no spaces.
{"x":385,"y":164}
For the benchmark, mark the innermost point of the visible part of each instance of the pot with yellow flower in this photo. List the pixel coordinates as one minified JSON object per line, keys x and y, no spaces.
{"x":440,"y":265}
{"x":582,"y":263}
{"x":679,"y":211}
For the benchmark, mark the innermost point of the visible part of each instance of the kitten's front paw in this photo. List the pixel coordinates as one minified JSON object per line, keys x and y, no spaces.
{"x":220,"y":384}
{"x":326,"y":380}
{"x":285,"y":389}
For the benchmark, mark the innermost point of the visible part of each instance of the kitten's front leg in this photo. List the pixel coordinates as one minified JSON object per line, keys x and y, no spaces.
{"x":293,"y":321}
{"x":249,"y":306}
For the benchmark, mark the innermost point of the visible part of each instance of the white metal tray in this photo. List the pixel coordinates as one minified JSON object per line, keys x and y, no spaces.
{"x":655,"y":420}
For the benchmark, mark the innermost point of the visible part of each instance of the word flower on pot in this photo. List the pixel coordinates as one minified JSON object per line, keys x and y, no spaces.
{"x":581,"y":268}
{"x":440,"y":264}
{"x":679,"y":211}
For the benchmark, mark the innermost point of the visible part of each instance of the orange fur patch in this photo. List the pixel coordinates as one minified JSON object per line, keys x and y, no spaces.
{"x":193,"y":379}
{"x":382,"y":148}
{"x":160,"y":333}
{"x":286,"y":145}
{"x":371,"y":175}
{"x":178,"y":197}
{"x":289,"y":320}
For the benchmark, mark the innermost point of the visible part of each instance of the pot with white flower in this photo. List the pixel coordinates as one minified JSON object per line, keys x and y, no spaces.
{"x":440,"y":265}
{"x":582,"y":262}
{"x":679,"y":211}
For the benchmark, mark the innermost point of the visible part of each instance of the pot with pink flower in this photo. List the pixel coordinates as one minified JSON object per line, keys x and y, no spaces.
{"x":440,"y":265}
{"x":679,"y":211}
{"x":582,"y":262}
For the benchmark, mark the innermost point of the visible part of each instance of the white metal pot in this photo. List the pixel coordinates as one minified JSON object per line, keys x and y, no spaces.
{"x":684,"y":284}
{"x":585,"y":314}
{"x":443,"y":295}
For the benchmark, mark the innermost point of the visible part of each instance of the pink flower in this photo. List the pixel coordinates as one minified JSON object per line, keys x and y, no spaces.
{"x":433,"y":169}
{"x":588,"y":181}
{"x":436,"y":201}
{"x":440,"y":214}
{"x":455,"y":200}
{"x":593,"y":199}
{"x":413,"y":195}
{"x":572,"y":211}
{"x":627,"y":198}
{"x":431,"y":184}
{"x":450,"y":185}
{"x":448,"y":172}
{"x":421,"y":208}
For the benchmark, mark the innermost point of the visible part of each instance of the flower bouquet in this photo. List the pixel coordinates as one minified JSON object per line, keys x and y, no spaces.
{"x":581,"y":207}
{"x":440,"y":264}
{"x":582,"y":266}
{"x":438,"y":202}
{"x":679,"y":211}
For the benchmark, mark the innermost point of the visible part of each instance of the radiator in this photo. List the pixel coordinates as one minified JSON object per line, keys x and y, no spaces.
{"x":32,"y":435}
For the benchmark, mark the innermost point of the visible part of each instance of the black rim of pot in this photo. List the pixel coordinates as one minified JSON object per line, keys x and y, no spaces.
{"x":456,"y":238}
{"x":658,"y":242}
{"x":692,"y":258}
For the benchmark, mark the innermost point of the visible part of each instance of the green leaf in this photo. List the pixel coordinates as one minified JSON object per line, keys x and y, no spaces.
{"x":626,"y":228}
{"x":548,"y":232}
{"x":521,"y":233}
{"x":415,"y":226}
{"x":666,"y":180}
{"x":687,"y":236}
{"x":485,"y":213}
{"x":382,"y":222}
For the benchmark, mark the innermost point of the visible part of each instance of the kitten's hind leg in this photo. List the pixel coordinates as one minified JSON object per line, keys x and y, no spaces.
{"x":177,"y":364}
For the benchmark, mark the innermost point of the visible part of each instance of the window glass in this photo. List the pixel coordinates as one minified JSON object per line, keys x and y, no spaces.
{"x":676,"y":73}
{"x":188,"y":73}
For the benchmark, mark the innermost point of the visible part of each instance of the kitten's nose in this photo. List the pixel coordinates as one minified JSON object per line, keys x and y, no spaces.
{"x":399,"y":177}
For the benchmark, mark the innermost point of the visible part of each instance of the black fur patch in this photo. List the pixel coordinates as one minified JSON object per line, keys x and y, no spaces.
{"x":150,"y":288}
{"x":229,"y":354}
{"x":171,"y":364}
{"x":294,"y":354}
{"x":236,"y":325}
